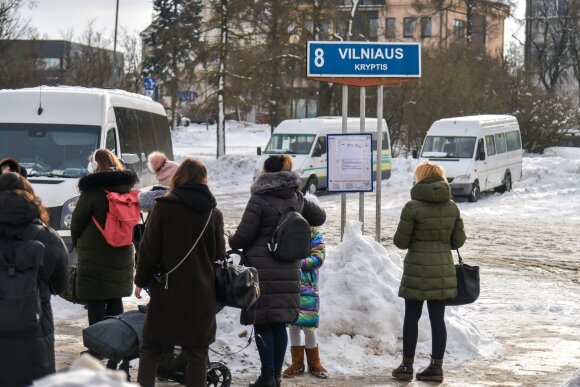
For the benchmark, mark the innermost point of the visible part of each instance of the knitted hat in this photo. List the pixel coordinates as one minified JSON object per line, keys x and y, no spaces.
{"x":161,"y":167}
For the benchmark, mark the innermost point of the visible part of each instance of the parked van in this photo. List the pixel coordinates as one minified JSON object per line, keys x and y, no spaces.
{"x":305,"y":141}
{"x":478,"y":153}
{"x":52,"y":131}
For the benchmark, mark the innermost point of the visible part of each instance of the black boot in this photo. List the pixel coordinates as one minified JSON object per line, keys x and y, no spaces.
{"x":266,"y":379}
{"x":405,"y":370}
{"x":124,"y":366}
{"x":433,"y":372}
{"x":278,"y":377}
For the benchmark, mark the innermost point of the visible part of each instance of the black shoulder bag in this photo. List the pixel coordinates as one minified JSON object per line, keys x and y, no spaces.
{"x":236,"y":285}
{"x":467,"y":284}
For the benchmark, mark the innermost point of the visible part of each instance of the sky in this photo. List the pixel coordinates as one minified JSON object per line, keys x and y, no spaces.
{"x":55,"y":18}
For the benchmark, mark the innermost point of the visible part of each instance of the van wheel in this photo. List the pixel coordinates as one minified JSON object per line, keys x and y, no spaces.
{"x":474,"y":195}
{"x":507,"y":184}
{"x":311,"y":185}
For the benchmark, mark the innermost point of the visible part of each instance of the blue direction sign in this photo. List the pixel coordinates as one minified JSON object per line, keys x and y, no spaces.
{"x":363,"y":59}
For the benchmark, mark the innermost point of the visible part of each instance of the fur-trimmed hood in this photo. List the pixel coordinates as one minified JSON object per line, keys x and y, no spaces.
{"x":108,"y":179}
{"x":275,"y":181}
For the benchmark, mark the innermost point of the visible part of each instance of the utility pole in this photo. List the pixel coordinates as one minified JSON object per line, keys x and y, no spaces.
{"x":115,"y":48}
{"x":528,"y":41}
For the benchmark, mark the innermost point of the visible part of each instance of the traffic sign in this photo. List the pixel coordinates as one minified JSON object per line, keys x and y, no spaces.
{"x":149,"y":83}
{"x":363,"y":60}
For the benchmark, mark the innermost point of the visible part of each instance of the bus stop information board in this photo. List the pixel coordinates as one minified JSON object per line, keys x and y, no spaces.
{"x":350,"y":163}
{"x":363,"y":59}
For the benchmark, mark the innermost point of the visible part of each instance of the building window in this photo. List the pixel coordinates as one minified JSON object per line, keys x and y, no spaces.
{"x":391,"y":27}
{"x":425,"y":27}
{"x":459,"y":28}
{"x":49,"y":63}
{"x":374,"y":26}
{"x":408,"y":27}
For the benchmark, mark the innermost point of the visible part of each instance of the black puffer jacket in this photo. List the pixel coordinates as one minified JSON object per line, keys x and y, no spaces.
{"x":279,"y":301}
{"x":104,"y":272}
{"x":31,"y":356}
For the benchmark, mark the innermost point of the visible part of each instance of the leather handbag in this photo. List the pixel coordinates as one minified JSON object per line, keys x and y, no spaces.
{"x":237,"y":286}
{"x":467,"y":284}
{"x":70,"y":293}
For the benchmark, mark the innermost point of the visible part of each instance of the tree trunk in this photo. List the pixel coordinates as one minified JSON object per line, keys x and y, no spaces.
{"x":221,"y":118}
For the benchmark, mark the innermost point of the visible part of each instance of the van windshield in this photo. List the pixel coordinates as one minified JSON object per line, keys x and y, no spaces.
{"x":299,"y":144}
{"x":448,"y":147}
{"x":50,"y":150}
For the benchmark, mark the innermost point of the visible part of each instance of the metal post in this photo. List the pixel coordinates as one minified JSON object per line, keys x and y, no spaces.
{"x":361,"y":195}
{"x":379,"y":160}
{"x":344,"y":130}
{"x":115,"y":48}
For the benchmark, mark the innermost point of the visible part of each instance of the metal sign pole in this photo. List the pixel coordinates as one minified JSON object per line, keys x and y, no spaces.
{"x":361,"y":195}
{"x":344,"y":130}
{"x":379,"y":160}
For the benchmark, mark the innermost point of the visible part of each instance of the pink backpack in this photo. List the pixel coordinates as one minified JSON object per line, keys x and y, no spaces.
{"x":122,"y":217}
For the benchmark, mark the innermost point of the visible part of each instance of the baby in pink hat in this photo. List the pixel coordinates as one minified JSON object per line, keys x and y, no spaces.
{"x":164,"y":170}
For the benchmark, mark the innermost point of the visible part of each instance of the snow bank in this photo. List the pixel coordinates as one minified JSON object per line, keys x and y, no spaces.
{"x":362,"y":315}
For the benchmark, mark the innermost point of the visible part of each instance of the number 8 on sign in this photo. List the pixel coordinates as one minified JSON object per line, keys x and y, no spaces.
{"x":319,"y":57}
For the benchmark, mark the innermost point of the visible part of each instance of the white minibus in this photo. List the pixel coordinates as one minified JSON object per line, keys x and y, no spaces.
{"x":478,"y":153}
{"x":52,"y":131}
{"x":305,"y":140}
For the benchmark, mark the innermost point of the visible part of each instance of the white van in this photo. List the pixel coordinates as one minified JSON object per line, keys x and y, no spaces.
{"x":478,"y":152}
{"x":305,"y":141}
{"x":52,"y":131}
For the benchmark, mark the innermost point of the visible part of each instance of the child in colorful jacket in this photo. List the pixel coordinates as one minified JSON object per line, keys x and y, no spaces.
{"x":308,"y":318}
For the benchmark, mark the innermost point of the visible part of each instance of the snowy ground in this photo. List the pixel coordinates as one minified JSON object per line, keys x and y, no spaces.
{"x":523,"y":331}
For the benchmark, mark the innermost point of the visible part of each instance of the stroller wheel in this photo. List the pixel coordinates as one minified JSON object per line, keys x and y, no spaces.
{"x":218,"y":375}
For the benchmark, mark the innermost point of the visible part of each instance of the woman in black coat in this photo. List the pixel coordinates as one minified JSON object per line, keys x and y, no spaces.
{"x":273,"y":192}
{"x":27,"y":356}
{"x":182,"y":308}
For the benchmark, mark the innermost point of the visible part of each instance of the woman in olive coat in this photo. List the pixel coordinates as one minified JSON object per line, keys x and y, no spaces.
{"x":182,"y":308}
{"x":105,"y":273}
{"x":26,"y":356}
{"x":430,"y":228}
{"x":275,"y":191}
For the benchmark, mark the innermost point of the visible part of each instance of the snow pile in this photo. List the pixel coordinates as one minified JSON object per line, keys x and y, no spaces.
{"x":362,"y":315}
{"x":553,"y":175}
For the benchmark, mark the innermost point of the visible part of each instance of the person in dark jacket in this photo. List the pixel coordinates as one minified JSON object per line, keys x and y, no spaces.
{"x":105,"y":273}
{"x":30,"y":355}
{"x":430,"y":227}
{"x":276,"y":190}
{"x":163,"y":169}
{"x":182,"y":306}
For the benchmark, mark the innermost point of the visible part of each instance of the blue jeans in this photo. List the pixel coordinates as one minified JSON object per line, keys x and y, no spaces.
{"x":271,"y":340}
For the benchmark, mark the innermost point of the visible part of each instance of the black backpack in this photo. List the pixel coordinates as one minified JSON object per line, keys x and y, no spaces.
{"x":291,"y":238}
{"x":20,"y":259}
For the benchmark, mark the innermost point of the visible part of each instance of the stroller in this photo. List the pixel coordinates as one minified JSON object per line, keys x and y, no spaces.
{"x":117,"y":338}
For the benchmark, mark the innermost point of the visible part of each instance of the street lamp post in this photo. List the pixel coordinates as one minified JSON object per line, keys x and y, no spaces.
{"x":293,"y":40}
{"x":115,"y":47}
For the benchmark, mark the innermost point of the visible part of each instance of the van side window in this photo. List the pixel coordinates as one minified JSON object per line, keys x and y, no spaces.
{"x":500,"y":145}
{"x":162,"y":134}
{"x":320,"y":147}
{"x":129,"y":135}
{"x":146,"y":133}
{"x":513,"y":140}
{"x":490,"y":145}
{"x":111,"y":141}
{"x":480,"y":148}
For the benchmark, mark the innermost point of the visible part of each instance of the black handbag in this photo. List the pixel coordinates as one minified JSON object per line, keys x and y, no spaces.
{"x":467,"y":284}
{"x":236,"y":285}
{"x":70,"y":292}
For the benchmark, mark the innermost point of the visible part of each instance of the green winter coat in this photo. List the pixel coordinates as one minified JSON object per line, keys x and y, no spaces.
{"x":430,"y":228}
{"x":104,"y":272}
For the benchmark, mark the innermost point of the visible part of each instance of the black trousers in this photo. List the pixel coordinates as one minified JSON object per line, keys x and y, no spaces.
{"x":413,"y":310}
{"x":150,"y":354}
{"x":99,"y":309}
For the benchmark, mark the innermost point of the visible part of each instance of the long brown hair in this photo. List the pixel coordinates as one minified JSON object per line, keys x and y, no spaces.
{"x":15,"y":183}
{"x":107,"y":161}
{"x":190,"y":171}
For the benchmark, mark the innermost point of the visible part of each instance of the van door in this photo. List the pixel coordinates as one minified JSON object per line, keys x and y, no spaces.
{"x":488,"y":165}
{"x":129,"y":141}
{"x":317,"y":163}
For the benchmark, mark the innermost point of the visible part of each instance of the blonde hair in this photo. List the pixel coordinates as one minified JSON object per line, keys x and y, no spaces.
{"x":428,"y":169}
{"x":106,"y":161}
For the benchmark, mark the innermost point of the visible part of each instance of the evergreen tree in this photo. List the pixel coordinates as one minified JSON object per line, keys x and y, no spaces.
{"x":171,"y":43}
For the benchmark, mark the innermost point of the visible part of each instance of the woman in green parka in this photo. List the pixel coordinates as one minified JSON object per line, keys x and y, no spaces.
{"x":430,"y":227}
{"x":105,"y":273}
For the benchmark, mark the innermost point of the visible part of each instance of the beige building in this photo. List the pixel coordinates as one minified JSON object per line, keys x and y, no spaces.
{"x":421,"y":21}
